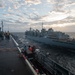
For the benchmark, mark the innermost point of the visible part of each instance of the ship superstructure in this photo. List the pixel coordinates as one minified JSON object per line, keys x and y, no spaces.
{"x":51,"y":37}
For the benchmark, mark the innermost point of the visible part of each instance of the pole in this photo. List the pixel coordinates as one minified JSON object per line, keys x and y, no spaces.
{"x":42,"y":25}
{"x":2,"y":26}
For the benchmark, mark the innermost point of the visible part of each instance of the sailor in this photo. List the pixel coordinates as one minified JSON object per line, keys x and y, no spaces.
{"x":30,"y":48}
{"x":1,"y":35}
{"x":24,"y":49}
{"x":33,"y":51}
{"x":8,"y":35}
{"x":33,"y":48}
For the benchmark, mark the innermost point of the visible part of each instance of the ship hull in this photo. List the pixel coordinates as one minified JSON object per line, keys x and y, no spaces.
{"x":53,"y":42}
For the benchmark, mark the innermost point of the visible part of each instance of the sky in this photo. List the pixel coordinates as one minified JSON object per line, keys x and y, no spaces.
{"x":20,"y":15}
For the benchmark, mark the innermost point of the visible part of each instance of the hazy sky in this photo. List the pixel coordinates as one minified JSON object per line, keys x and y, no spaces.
{"x":20,"y":15}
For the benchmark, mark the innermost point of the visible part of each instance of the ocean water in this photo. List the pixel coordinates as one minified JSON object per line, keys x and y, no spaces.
{"x":71,"y":34}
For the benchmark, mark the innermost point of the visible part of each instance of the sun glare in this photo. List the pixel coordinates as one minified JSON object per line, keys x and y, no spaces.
{"x":55,"y":16}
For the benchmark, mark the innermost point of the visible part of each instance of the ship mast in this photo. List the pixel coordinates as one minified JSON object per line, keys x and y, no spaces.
{"x":42,"y":25}
{"x":2,"y":25}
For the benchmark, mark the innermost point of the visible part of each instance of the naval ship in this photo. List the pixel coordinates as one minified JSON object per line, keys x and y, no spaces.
{"x":52,"y":38}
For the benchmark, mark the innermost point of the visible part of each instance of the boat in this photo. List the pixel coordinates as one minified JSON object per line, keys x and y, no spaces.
{"x":52,"y":38}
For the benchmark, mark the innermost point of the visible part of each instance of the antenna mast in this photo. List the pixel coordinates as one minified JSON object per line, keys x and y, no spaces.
{"x":2,"y":25}
{"x":42,"y":25}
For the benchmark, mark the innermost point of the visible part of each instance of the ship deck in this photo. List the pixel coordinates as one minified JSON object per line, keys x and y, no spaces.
{"x":10,"y":63}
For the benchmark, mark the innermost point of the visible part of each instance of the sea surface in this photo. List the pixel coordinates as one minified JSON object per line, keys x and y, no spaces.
{"x":71,"y":34}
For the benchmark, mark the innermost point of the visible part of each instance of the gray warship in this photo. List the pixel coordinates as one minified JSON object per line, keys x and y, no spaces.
{"x":51,"y":37}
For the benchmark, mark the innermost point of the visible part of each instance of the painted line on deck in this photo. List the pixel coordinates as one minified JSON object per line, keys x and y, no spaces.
{"x":24,"y":57}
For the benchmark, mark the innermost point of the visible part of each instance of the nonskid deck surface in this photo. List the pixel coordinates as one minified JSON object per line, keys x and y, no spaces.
{"x":10,"y":63}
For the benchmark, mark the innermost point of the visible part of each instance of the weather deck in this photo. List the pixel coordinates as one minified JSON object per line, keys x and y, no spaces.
{"x":10,"y":63}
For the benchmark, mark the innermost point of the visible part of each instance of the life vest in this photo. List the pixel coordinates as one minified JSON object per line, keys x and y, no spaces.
{"x":30,"y":49}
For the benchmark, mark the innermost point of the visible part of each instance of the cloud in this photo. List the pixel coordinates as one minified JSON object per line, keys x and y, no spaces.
{"x":54,"y":16}
{"x":72,"y":13}
{"x":33,"y":9}
{"x":36,"y":13}
{"x":9,"y":9}
{"x":62,"y":12}
{"x":16,"y":26}
{"x":16,"y":5}
{"x":60,"y":5}
{"x":51,"y":18}
{"x":2,"y":5}
{"x":69,"y":4}
{"x":34,"y":18}
{"x":35,"y":2}
{"x":6,"y":15}
{"x":51,"y":1}
{"x":54,"y":19}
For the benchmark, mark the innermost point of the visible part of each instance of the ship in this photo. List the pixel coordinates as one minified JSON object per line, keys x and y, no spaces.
{"x":52,"y":38}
